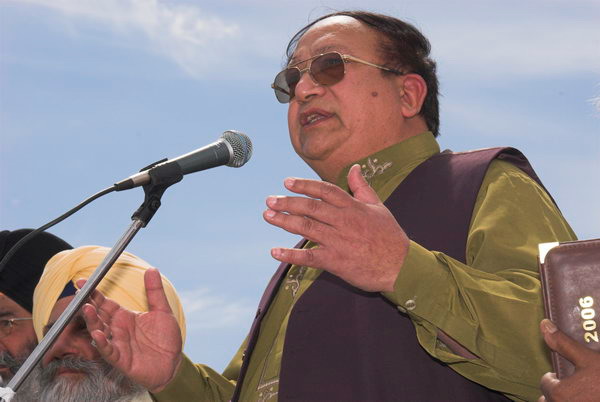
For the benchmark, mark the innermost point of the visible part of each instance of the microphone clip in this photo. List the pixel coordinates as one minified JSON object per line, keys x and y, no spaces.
{"x":150,"y":166}
{"x":161,"y":178}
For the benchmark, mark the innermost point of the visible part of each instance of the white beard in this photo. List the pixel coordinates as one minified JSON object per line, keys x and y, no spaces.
{"x":100,"y":383}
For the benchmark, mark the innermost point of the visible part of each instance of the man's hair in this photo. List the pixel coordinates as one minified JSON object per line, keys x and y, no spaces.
{"x":406,"y":49}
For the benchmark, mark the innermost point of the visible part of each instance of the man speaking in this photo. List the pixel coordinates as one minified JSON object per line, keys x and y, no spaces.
{"x":418,"y":277}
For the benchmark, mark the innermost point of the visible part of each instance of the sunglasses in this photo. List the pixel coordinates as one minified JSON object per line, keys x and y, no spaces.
{"x":324,"y":69}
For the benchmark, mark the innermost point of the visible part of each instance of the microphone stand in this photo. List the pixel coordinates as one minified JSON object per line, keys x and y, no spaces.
{"x":161,"y":179}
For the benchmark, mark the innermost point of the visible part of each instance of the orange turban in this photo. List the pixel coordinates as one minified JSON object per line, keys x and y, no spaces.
{"x":123,"y":283}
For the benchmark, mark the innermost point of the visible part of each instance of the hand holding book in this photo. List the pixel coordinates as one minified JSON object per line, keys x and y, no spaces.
{"x":570,"y":275}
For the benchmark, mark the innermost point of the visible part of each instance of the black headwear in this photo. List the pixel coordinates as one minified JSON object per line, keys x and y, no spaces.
{"x":22,"y":273}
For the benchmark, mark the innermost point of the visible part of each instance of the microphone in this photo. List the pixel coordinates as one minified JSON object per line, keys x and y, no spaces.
{"x":232,"y":149}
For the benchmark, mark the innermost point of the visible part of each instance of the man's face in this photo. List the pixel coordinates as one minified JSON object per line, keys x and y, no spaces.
{"x":72,"y":370}
{"x":74,"y":341}
{"x":17,"y":346}
{"x":333,"y":126}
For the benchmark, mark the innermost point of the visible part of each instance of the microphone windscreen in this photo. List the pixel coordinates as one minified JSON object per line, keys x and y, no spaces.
{"x":241,"y":145}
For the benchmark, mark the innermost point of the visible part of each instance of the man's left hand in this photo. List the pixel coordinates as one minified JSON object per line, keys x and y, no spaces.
{"x":358,"y":238}
{"x":581,"y":386}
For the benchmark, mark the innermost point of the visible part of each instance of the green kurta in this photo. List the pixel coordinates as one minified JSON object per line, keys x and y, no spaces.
{"x":492,"y":305}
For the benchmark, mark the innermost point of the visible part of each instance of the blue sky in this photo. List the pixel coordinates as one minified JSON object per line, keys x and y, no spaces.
{"x":92,"y":91}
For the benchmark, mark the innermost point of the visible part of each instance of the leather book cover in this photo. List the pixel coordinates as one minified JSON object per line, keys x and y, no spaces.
{"x":570,"y":275}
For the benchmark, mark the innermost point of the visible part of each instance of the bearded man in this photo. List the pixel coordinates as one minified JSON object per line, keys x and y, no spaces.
{"x":17,"y":282}
{"x":72,"y":369}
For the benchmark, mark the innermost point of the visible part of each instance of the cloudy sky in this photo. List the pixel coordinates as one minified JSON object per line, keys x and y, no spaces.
{"x":92,"y":91}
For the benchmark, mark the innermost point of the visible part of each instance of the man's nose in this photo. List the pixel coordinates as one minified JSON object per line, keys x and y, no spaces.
{"x":307,"y":86}
{"x":63,"y":347}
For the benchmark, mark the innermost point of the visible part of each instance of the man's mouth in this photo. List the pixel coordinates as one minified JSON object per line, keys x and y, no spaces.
{"x":313,"y":117}
{"x":66,"y":370}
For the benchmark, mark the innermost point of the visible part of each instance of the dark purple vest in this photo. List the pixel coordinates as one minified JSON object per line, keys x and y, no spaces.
{"x":345,"y":344}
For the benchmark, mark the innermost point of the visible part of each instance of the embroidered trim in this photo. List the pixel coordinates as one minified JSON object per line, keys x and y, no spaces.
{"x":293,"y":280}
{"x":375,"y":169}
{"x":269,"y":388}
{"x":270,"y":392}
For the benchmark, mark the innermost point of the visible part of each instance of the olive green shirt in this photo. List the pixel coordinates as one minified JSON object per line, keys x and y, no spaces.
{"x":491,"y":305}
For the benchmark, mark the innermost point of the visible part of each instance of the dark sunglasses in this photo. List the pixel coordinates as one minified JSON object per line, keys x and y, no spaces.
{"x":324,"y":69}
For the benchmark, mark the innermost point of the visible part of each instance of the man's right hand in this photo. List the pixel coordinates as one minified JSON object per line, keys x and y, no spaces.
{"x":146,"y":347}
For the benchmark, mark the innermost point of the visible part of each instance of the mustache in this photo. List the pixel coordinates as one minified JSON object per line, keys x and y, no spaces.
{"x":13,"y":363}
{"x":88,"y":367}
{"x":7,"y":360}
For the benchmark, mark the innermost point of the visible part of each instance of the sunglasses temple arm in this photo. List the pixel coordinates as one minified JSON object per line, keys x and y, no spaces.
{"x":278,"y":88}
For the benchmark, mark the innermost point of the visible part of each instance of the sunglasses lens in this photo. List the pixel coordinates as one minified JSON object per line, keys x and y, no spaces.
{"x":285,"y":84}
{"x":328,"y":69}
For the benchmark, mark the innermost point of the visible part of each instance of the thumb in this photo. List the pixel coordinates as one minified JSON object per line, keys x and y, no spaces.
{"x":360,"y":188}
{"x":157,"y":299}
{"x":563,"y":344}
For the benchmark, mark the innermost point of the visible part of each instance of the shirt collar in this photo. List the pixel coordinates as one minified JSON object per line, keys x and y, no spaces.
{"x":394,"y":162}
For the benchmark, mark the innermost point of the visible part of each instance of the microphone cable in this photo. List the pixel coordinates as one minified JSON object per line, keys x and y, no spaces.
{"x":48,"y":225}
{"x":235,"y":150}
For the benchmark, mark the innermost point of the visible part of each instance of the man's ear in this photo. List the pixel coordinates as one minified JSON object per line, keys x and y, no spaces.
{"x":412,"y":89}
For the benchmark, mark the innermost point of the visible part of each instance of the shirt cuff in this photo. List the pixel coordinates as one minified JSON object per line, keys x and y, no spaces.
{"x":182,"y":385}
{"x":420,"y":285}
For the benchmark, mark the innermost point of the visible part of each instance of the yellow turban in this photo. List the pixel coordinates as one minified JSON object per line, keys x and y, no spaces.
{"x":123,"y":283}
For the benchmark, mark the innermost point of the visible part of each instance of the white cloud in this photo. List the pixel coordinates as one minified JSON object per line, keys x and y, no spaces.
{"x":509,"y":38}
{"x":203,"y":310}
{"x":181,"y":32}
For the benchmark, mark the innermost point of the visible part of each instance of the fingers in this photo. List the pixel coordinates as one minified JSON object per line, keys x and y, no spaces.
{"x":314,"y":218}
{"x":104,"y":347}
{"x":360,"y":188}
{"x":563,"y":344}
{"x":98,"y":308}
{"x":316,"y":209}
{"x":157,"y":299}
{"x":92,"y":320}
{"x":105,"y":308}
{"x":318,"y":189}
{"x":307,"y":257}
{"x":302,"y":225}
{"x":96,"y":321}
{"x":548,"y":382}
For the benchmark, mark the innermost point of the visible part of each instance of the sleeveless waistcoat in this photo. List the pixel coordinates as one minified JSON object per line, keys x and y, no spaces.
{"x":345,"y":344}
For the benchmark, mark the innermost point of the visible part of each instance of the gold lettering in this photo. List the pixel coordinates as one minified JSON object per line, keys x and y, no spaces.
{"x":588,"y":314}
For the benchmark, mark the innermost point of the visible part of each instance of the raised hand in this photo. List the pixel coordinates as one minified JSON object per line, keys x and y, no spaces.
{"x":581,"y":386}
{"x":146,"y":347}
{"x":359,"y":239}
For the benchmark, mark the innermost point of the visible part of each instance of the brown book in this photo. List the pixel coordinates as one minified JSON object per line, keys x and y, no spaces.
{"x":570,"y":275}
